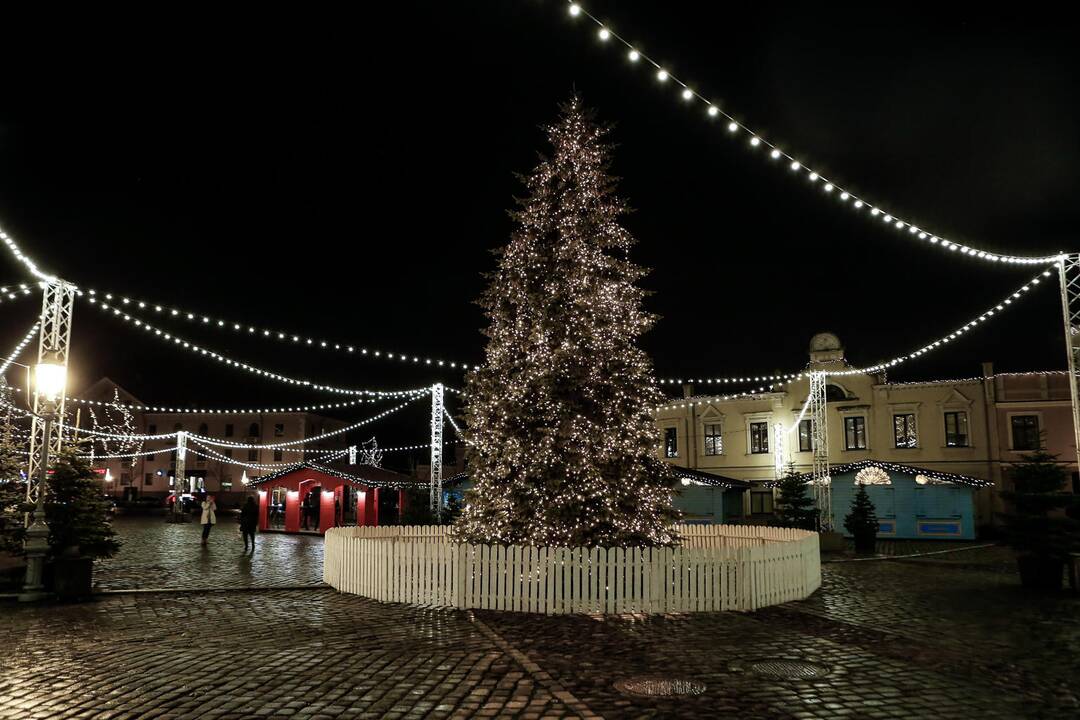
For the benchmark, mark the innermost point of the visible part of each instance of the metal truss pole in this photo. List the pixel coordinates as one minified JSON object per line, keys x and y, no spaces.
{"x":435,"y":493}
{"x":1069,"y":275}
{"x":54,"y":341}
{"x":778,"y":451}
{"x":179,"y":476}
{"x":819,"y":428}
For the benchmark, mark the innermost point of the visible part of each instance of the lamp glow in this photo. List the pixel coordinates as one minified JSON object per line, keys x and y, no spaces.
{"x":50,"y":377}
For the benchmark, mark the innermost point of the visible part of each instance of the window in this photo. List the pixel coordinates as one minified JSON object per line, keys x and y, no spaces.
{"x":671,"y":442}
{"x":806,"y":436}
{"x":148,"y":479}
{"x":761,"y":502}
{"x":151,"y":429}
{"x":956,"y":429}
{"x":759,"y":438}
{"x":226,"y":482}
{"x":714,"y":439}
{"x":279,"y":429}
{"x":228,"y":430}
{"x":253,"y":430}
{"x":277,"y":455}
{"x":855,"y":433}
{"x":227,"y":452}
{"x":1025,"y":432}
{"x":204,"y":429}
{"x":253,"y":455}
{"x":904,"y":430}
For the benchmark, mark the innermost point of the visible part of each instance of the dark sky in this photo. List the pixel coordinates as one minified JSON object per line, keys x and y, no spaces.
{"x":344,"y":176}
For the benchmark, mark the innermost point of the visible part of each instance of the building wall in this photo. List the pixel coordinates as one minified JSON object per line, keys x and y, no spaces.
{"x":908,"y":510}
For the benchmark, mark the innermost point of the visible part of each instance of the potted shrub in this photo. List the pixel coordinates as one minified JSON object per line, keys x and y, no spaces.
{"x":1041,"y":525}
{"x":79,"y":530}
{"x":862,"y":522}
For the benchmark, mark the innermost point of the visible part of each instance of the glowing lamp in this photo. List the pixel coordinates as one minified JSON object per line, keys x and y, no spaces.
{"x":50,"y":377}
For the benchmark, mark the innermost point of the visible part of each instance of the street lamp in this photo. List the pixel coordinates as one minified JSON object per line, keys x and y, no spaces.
{"x":50,"y":377}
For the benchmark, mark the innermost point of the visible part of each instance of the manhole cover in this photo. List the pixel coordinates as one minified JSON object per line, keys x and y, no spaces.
{"x":659,"y":687}
{"x":789,"y":669}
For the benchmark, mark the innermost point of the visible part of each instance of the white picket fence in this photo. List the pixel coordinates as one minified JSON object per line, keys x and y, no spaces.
{"x":717,"y":567}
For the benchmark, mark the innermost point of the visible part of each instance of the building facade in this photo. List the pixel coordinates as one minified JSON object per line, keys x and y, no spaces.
{"x":214,"y":469}
{"x":974,"y":427}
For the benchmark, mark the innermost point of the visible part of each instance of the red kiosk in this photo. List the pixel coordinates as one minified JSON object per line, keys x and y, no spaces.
{"x":322,"y":491}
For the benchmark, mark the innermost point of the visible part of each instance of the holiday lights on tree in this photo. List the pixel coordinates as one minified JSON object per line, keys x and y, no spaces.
{"x":562,"y":447}
{"x":117,"y":420}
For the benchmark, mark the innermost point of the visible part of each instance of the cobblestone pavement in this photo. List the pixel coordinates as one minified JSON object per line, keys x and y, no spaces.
{"x":899,"y":639}
{"x":157,"y":554}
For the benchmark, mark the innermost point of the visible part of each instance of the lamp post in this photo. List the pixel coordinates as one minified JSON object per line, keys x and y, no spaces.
{"x":50,"y":376}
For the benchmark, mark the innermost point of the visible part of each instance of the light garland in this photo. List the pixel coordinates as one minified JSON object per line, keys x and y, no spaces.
{"x":10,"y":360}
{"x":707,"y":400}
{"x":196,"y":349}
{"x":781,"y":378}
{"x":1020,"y":293}
{"x":829,"y":187}
{"x":872,"y":475}
{"x":254,"y":331}
{"x":25,"y":260}
{"x":212,"y":454}
{"x":303,"y":441}
{"x":14,"y":293}
{"x":242,"y":411}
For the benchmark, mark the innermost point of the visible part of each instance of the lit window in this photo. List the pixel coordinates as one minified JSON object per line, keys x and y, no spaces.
{"x":671,"y":442}
{"x":904,"y":430}
{"x":855,"y":433}
{"x":956,"y":429}
{"x":759,"y":438}
{"x":806,"y":436}
{"x":714,"y":439}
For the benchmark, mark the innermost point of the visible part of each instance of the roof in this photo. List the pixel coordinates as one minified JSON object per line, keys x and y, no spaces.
{"x":709,"y":479}
{"x":938,"y":475}
{"x":368,"y":475}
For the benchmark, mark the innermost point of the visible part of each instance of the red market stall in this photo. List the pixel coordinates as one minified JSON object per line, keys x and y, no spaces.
{"x":317,"y":498}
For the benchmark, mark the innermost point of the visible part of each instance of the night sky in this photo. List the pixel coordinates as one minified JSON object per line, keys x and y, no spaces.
{"x":345,"y":176}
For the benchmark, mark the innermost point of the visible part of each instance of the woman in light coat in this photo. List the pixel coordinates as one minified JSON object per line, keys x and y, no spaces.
{"x":209,"y":517}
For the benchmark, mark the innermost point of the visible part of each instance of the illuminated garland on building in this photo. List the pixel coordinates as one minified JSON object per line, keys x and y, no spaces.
{"x":929,"y":475}
{"x":774,"y":154}
{"x":290,"y":338}
{"x":336,"y":473}
{"x":197,"y":350}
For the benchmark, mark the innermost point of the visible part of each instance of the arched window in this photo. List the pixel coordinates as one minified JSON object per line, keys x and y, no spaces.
{"x":834,"y":393}
{"x":253,"y":430}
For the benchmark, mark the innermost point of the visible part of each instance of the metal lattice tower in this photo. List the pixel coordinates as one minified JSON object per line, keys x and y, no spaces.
{"x":180,"y":475}
{"x":54,"y":340}
{"x":778,"y":451}
{"x":819,"y":429}
{"x":1069,"y":275}
{"x":435,"y":492}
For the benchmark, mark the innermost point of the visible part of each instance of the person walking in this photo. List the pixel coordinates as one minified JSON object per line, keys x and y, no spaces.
{"x":209,"y":517}
{"x":249,"y":520}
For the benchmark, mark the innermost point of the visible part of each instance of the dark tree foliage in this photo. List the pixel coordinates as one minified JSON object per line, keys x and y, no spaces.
{"x":794,"y":506}
{"x":76,"y":509}
{"x":1043,"y":518}
{"x":862,"y":520}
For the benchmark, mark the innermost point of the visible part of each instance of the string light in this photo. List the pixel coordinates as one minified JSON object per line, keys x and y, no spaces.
{"x":243,"y":411}
{"x":211,"y":454}
{"x":14,"y":293}
{"x":196,"y":349}
{"x":784,"y":377}
{"x":26,"y":261}
{"x":254,"y":331}
{"x":303,"y":441}
{"x":10,"y":359}
{"x":846,"y":196}
{"x":338,"y":473}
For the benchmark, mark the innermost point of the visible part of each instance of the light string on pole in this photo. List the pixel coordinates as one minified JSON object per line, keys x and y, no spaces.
{"x":198,"y":350}
{"x":983,"y":317}
{"x":10,"y":359}
{"x":303,"y":441}
{"x":244,"y":411}
{"x":261,"y":332}
{"x":771,"y":153}
{"x":27,"y":262}
{"x":211,"y":454}
{"x":14,"y":293}
{"x":1018,"y":294}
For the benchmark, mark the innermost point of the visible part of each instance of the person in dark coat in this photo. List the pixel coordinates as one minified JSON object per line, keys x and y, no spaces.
{"x":249,"y":520}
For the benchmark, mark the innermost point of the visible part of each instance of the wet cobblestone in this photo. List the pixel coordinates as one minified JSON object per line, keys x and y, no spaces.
{"x":900,"y":639}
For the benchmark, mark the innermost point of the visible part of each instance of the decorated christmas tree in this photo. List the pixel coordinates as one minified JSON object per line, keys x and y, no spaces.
{"x":562,"y":447}
{"x":862,"y":521}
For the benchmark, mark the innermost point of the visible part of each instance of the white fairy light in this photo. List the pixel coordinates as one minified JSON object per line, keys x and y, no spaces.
{"x":604,"y":34}
{"x":687,"y":94}
{"x":755,"y":141}
{"x":10,"y":359}
{"x":733,"y":126}
{"x":662,"y":75}
{"x":713,"y":110}
{"x":634,"y":56}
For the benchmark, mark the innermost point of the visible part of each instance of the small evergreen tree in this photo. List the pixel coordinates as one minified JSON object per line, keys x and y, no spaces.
{"x":1043,"y":519}
{"x":12,"y":496}
{"x":77,"y":510}
{"x":562,"y":442}
{"x":862,"y":521}
{"x":794,"y":507}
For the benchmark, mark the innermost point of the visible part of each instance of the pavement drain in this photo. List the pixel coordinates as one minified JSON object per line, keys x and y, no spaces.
{"x":788,"y":669}
{"x":654,"y":686}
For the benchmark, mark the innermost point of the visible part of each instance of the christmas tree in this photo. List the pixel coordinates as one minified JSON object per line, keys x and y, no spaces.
{"x":562,"y":447}
{"x":12,"y":491}
{"x":76,"y":510}
{"x":862,"y":521}
{"x":794,"y":508}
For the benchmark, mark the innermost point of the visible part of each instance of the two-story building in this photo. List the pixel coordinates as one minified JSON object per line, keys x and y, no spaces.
{"x":969,"y":430}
